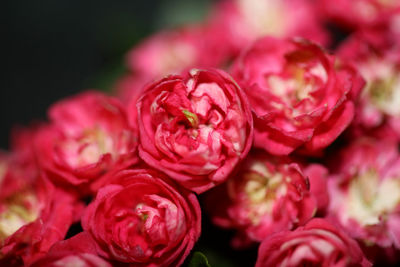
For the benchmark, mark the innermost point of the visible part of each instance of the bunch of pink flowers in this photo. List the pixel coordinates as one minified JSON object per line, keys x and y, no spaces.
{"x":289,"y":136}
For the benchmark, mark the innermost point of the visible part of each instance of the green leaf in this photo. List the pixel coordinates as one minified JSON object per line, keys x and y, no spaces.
{"x":199,"y":260}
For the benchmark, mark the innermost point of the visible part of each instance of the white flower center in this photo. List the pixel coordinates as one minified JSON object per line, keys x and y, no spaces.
{"x":370,"y":199}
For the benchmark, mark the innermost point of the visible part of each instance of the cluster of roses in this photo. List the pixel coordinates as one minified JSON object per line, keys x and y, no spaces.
{"x":255,"y":143}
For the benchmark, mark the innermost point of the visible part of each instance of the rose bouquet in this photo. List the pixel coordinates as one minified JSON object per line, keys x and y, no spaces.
{"x":258,"y":128}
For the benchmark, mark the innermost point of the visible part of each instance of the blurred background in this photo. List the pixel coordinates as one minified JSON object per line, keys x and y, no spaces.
{"x":52,"y":49}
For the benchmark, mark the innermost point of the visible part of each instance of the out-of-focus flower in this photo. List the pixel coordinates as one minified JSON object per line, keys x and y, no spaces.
{"x":89,"y":136}
{"x":130,"y":87}
{"x":300,"y":97}
{"x":365,"y":194}
{"x":171,"y":52}
{"x":268,"y":195}
{"x":244,"y":21}
{"x":33,"y":214}
{"x":318,"y":243}
{"x":318,"y":177}
{"x":194,"y":128}
{"x":359,"y":14}
{"x":143,"y":219}
{"x":377,"y":57}
{"x":78,"y":251}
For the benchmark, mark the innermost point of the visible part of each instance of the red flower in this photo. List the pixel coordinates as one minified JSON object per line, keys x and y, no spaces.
{"x":252,"y":201}
{"x":243,"y":21}
{"x":171,"y":52}
{"x":88,"y":137}
{"x":318,"y":243}
{"x":365,"y":193}
{"x":299,"y":97}
{"x":194,"y":128}
{"x":358,"y":14}
{"x":143,"y":219}
{"x":376,"y":54}
{"x":79,"y":250}
{"x":33,"y":214}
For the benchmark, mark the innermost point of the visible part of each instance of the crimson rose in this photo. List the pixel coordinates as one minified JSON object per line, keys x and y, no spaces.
{"x":143,"y":219}
{"x":252,"y":200}
{"x":88,"y":136}
{"x":194,"y":128}
{"x":300,"y":98}
{"x":319,"y":243}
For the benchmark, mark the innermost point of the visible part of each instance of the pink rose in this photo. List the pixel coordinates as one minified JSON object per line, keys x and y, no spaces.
{"x":318,"y":243}
{"x":33,"y":214}
{"x":244,"y":21}
{"x":300,"y":98}
{"x":195,"y":128}
{"x":365,"y":192}
{"x":171,"y":52}
{"x":79,"y":250}
{"x":88,"y":136}
{"x":143,"y":219}
{"x":376,"y":54}
{"x":358,"y":14}
{"x":252,"y":201}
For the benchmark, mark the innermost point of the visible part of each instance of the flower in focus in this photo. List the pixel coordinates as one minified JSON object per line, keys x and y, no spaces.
{"x":88,"y":137}
{"x":318,"y":243}
{"x":252,"y":201}
{"x":196,"y":128}
{"x":365,"y":193}
{"x":300,"y":98}
{"x":142,"y":219}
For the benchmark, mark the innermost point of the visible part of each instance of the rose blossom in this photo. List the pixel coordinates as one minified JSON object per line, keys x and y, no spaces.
{"x":171,"y":52}
{"x":88,"y":136}
{"x":365,"y":193}
{"x":358,"y":14}
{"x":300,"y":98}
{"x":243,"y":21}
{"x":33,"y":214}
{"x":318,"y":243}
{"x":143,"y":219}
{"x":377,"y":56}
{"x":252,"y":200}
{"x":79,"y":251}
{"x":194,"y":128}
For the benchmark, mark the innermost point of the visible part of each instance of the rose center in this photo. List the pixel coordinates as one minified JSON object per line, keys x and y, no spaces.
{"x":262,"y":188}
{"x":370,"y":198}
{"x":385,"y":94}
{"x":296,"y":84}
{"x":16,"y":211}
{"x":88,"y":148}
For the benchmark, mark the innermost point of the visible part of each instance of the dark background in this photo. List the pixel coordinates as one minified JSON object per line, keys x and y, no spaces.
{"x":54,"y":48}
